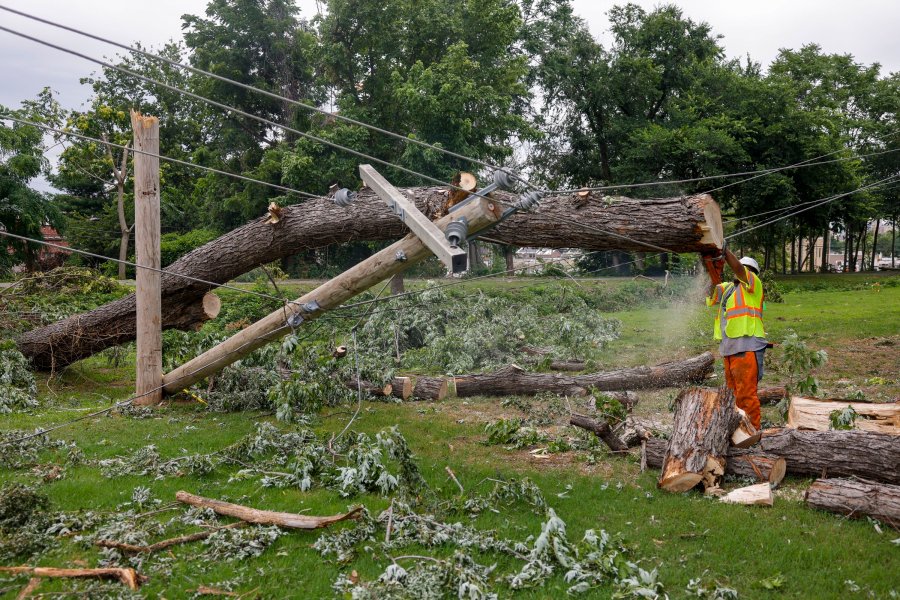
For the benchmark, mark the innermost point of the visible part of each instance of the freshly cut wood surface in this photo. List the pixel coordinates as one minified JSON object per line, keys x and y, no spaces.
{"x":760,"y":467}
{"x":758,"y":494}
{"x":704,"y":421}
{"x":810,"y":413}
{"x":264,"y":517}
{"x":683,"y":224}
{"x":857,"y":498}
{"x":873,"y":456}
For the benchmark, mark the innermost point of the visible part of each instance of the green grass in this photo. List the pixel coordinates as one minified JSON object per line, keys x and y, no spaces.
{"x":686,"y":536}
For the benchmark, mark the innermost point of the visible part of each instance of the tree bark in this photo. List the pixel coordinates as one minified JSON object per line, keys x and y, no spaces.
{"x":771,"y":395}
{"x":397,"y":284}
{"x":704,"y":421}
{"x":875,"y":241}
{"x":856,"y":499}
{"x":379,"y":390}
{"x":264,"y":517}
{"x":401,"y":387}
{"x":686,"y":224}
{"x":430,"y":388}
{"x":863,"y":454}
{"x":826,"y":250}
{"x":513,"y":380}
{"x":601,"y":429}
{"x":509,"y":255}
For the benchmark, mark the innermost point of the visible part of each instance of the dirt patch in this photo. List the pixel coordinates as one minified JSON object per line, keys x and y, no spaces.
{"x":871,"y":365}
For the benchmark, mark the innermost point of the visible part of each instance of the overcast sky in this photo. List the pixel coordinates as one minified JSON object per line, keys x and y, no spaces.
{"x":867,"y":29}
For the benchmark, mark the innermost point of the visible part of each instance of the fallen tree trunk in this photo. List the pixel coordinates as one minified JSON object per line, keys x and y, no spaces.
{"x":763,"y":468}
{"x":857,"y":498}
{"x":704,"y":421}
{"x":601,"y":429}
{"x":515,"y":381}
{"x":127,"y":576}
{"x":430,"y":388}
{"x":873,"y":456}
{"x":402,"y":387}
{"x":685,"y":224}
{"x":809,"y":413}
{"x":264,"y":517}
{"x":379,"y":390}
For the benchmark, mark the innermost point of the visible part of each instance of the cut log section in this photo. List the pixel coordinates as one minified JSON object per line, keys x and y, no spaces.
{"x":872,"y":456}
{"x":857,"y":498}
{"x":704,"y":421}
{"x":127,"y":576}
{"x":402,"y":387}
{"x":809,"y":413}
{"x":513,"y":380}
{"x":684,"y":224}
{"x":430,"y":388}
{"x":601,"y":429}
{"x":264,"y":517}
{"x":759,"y":494}
{"x":746,"y":434}
{"x":763,"y":468}
{"x":379,"y":390}
{"x":771,"y":395}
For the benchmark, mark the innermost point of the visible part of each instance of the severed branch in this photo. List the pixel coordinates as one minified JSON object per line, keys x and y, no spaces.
{"x":184,"y":539}
{"x":127,"y":576}
{"x":601,"y":429}
{"x":265,"y":517}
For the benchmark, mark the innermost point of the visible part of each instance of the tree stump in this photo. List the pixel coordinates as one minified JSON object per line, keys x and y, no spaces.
{"x":704,"y":421}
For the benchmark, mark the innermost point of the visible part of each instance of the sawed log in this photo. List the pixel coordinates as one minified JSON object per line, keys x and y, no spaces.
{"x":872,"y":456}
{"x":430,"y":388}
{"x":683,"y":224}
{"x":857,"y":498}
{"x":402,"y":387}
{"x":759,"y":494}
{"x":513,"y":380}
{"x":704,"y":421}
{"x":264,"y":517}
{"x":810,"y":413}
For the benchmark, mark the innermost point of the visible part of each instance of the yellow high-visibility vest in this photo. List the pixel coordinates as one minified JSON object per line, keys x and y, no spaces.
{"x":742,"y":307}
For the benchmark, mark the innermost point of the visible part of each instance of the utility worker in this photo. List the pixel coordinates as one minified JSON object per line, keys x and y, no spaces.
{"x":739,"y":326}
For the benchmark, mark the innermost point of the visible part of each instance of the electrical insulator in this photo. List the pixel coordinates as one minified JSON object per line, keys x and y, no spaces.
{"x":344,"y":197}
{"x":529,"y":200}
{"x":503,"y":179}
{"x":457,"y":232}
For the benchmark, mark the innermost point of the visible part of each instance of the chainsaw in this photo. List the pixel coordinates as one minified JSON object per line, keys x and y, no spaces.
{"x":715,"y":266}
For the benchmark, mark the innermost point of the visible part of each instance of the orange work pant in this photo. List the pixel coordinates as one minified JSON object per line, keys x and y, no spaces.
{"x":741,"y":377}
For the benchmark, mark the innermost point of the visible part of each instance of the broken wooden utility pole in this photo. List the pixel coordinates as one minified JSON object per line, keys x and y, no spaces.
{"x":477,"y":214}
{"x":148,"y":386}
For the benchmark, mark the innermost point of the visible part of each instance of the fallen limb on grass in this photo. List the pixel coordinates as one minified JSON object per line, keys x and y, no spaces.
{"x":127,"y":576}
{"x":265,"y":517}
{"x":513,"y":380}
{"x":759,"y":494}
{"x":601,"y":429}
{"x":184,"y":539}
{"x":857,"y":498}
{"x":873,"y":456}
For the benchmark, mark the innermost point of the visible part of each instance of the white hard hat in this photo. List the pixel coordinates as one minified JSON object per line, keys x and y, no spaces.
{"x":749,"y":262}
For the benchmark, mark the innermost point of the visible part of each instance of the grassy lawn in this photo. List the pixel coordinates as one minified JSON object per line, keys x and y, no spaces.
{"x":750,"y":549}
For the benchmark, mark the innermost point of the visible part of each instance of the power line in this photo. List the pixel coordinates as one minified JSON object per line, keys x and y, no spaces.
{"x":161,"y":157}
{"x":759,"y":172}
{"x":305,"y":106}
{"x":234,"y":110}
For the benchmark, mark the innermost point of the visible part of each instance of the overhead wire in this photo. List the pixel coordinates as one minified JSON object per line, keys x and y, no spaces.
{"x":310,"y":107}
{"x":290,"y":190}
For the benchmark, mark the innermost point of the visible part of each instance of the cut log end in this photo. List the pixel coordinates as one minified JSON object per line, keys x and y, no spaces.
{"x":778,"y":471}
{"x":680,"y":482}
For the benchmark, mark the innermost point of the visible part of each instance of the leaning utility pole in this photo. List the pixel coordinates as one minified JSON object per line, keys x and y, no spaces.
{"x":442,"y":237}
{"x":149,"y":371}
